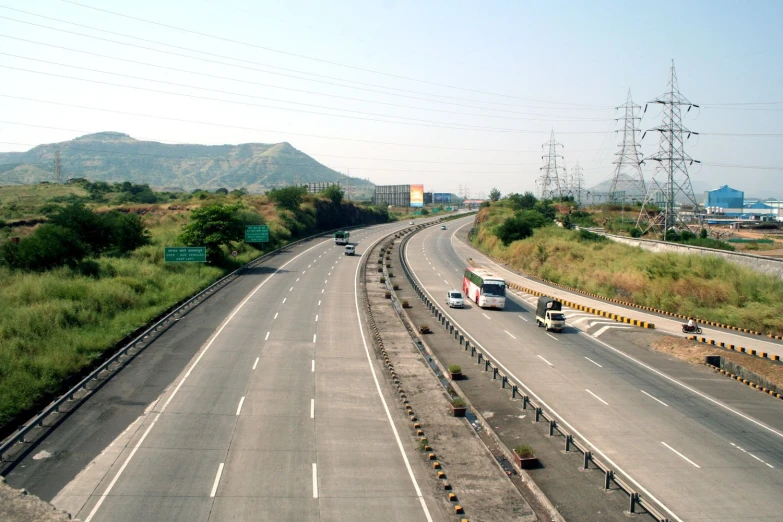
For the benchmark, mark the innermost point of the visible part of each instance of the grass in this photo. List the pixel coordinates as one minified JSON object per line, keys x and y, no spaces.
{"x":706,"y":287}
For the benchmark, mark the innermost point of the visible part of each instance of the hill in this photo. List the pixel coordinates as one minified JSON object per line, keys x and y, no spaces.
{"x":113,"y":157}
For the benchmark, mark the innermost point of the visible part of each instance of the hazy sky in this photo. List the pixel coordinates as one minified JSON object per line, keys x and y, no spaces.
{"x":440,"y":93}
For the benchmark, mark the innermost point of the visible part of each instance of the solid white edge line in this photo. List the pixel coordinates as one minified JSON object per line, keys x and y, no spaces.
{"x":241,"y":402}
{"x":380,"y":392}
{"x":217,"y":480}
{"x":565,"y":423}
{"x":267,"y":336}
{"x":654,"y":398}
{"x":182,"y":381}
{"x":312,"y":408}
{"x":592,"y":361}
{"x":509,"y":333}
{"x":315,"y":480}
{"x":681,"y":455}
{"x":256,"y":363}
{"x":596,"y":396}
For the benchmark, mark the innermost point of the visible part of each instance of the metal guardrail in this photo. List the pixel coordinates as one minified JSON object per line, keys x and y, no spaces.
{"x":144,"y":339}
{"x":610,"y":475}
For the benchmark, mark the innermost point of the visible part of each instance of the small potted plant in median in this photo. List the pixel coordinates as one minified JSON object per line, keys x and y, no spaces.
{"x":458,"y":407}
{"x":455,"y":372}
{"x":424,"y":329}
{"x":405,"y":303}
{"x":387,"y":295}
{"x":524,"y":456}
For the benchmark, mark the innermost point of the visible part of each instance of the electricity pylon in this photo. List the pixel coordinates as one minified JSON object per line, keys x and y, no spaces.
{"x":551,"y":178}
{"x":576,"y":184}
{"x":628,"y":177}
{"x":671,"y":173}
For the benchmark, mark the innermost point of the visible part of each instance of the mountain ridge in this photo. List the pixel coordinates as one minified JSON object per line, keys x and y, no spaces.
{"x":114,"y":156}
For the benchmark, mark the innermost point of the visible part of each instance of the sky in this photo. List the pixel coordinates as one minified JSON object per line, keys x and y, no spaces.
{"x":454,"y":95}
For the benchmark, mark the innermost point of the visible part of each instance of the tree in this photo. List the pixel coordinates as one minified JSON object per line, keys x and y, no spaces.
{"x":288,"y":198}
{"x":520,"y":226}
{"x":222,"y":190}
{"x":494,"y":194}
{"x":49,"y":246}
{"x":522,"y":201}
{"x":91,"y":230}
{"x":335,"y":193}
{"x":212,"y":227}
{"x":126,"y":232}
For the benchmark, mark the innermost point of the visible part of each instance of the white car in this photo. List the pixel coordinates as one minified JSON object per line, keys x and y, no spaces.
{"x":350,"y":250}
{"x":443,"y":227}
{"x":454,"y":299}
{"x":410,"y":222}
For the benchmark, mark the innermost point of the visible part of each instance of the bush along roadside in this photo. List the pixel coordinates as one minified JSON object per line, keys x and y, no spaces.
{"x":76,"y":286}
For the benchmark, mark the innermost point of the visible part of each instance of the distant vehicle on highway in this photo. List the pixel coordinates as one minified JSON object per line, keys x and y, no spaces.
{"x":350,"y":250}
{"x":549,"y":315}
{"x":410,"y":222}
{"x":341,"y":237}
{"x":443,"y":227}
{"x":485,"y":288}
{"x":454,"y":299}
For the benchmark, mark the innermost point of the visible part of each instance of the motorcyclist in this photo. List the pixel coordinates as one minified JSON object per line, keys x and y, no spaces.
{"x":690,"y":323}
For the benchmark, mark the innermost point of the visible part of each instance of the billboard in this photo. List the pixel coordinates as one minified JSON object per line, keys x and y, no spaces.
{"x":441,"y":197}
{"x":394,"y":195}
{"x":417,"y":195}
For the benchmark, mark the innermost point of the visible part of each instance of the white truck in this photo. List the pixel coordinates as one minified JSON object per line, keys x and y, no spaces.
{"x":549,"y":314}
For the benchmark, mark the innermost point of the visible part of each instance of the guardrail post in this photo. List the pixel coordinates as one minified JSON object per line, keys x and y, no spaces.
{"x":514,"y":391}
{"x":495,"y":374}
{"x":467,"y":345}
{"x":608,"y":476}
{"x":552,"y":426}
{"x":480,"y":358}
{"x":525,"y":400}
{"x":634,"y":500}
{"x":503,"y":382}
{"x":472,"y":350}
{"x":538,"y":413}
{"x":461,"y":339}
{"x":588,"y":456}
{"x":569,"y":439}
{"x":456,"y":334}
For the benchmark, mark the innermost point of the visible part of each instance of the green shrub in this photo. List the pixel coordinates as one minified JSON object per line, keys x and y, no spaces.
{"x":455,"y":368}
{"x":523,"y":450}
{"x":48,"y":247}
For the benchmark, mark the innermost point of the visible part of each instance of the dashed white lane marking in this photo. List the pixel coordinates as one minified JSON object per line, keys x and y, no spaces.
{"x":217,"y":480}
{"x":485,"y":315}
{"x":592,"y":361}
{"x":445,"y":281}
{"x":314,"y":337}
{"x":552,"y":336}
{"x":752,"y":455}
{"x":681,"y":455}
{"x":297,"y":279}
{"x":308,"y":266}
{"x":439,"y":274}
{"x":329,"y":274}
{"x":267,"y":336}
{"x":303,"y":271}
{"x":596,"y":396}
{"x":316,"y":318}
{"x":326,"y":281}
{"x":322,"y":290}
{"x":275,"y":315}
{"x":319,"y":302}
{"x":291,"y":289}
{"x":522,"y":318}
{"x":312,"y":408}
{"x":654,"y":398}
{"x":315,"y":480}
{"x":284,"y":299}
{"x":241,"y":402}
{"x":549,"y":363}
{"x":509,"y":333}
{"x":312,"y":369}
{"x":256,"y":363}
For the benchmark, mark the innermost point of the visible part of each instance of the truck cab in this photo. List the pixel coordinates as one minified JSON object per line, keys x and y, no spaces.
{"x":549,"y":314}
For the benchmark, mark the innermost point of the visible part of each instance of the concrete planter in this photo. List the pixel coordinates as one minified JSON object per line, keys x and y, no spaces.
{"x":455,"y":376}
{"x":526,"y":462}
{"x":458,"y":411}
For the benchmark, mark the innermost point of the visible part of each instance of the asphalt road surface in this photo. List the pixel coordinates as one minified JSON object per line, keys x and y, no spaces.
{"x":278,"y":415}
{"x":666,"y":426}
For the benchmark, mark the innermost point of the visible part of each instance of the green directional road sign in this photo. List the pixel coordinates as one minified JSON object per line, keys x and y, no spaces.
{"x":448,"y":209}
{"x":257,"y":234}
{"x":185,"y":255}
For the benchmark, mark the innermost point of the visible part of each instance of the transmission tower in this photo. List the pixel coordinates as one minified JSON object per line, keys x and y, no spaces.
{"x":57,"y":167}
{"x":551,"y":177}
{"x":670,"y":180}
{"x":576,"y":184}
{"x":628,"y":178}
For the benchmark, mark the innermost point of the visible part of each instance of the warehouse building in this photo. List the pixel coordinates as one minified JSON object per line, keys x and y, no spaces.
{"x":724,"y":197}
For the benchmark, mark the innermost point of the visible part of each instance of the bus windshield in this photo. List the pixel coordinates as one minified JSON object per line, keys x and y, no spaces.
{"x":493,"y":290}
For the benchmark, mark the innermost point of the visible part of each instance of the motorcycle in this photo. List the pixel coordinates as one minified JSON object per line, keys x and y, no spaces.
{"x":691,"y":329}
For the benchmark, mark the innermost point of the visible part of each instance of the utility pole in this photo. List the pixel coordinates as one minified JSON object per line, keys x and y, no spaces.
{"x":576,"y":183}
{"x":673,"y":161}
{"x":628,"y":176}
{"x":57,"y":168}
{"x":550,"y":178}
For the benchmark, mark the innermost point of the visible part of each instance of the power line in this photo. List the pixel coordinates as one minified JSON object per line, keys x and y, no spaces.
{"x":266,"y":65}
{"x":221,"y":38}
{"x":278,"y":99}
{"x":208,"y":98}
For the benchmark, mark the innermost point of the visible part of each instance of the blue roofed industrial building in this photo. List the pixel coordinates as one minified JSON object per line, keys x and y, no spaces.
{"x":724,"y":197}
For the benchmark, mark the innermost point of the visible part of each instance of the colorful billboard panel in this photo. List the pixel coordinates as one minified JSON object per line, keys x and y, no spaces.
{"x":417,"y":195}
{"x":441,"y":197}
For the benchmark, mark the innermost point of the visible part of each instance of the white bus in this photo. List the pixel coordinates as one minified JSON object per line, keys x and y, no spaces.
{"x":342,"y":237}
{"x":486,"y":289}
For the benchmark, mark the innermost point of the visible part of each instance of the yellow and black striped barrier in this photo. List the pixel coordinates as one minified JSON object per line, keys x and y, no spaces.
{"x":741,"y":349}
{"x":744,"y":381}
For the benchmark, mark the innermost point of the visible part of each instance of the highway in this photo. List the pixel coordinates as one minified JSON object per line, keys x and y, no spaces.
{"x":702,"y":458}
{"x":280,"y":415}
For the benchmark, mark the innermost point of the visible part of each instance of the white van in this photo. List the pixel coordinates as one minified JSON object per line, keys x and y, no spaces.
{"x":454,"y":299}
{"x":350,"y":250}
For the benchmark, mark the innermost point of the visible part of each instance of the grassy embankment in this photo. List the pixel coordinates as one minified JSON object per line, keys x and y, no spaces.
{"x":701,"y":286}
{"x":54,"y":324}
